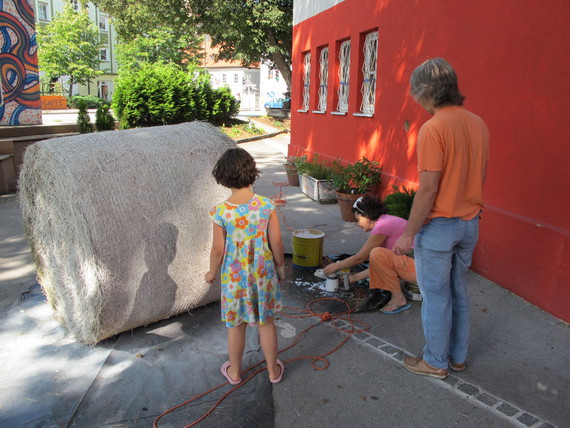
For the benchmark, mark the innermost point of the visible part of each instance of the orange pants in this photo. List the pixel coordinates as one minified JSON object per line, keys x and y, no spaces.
{"x":386,"y":268}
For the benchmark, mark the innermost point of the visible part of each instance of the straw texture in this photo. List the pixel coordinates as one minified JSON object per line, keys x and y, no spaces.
{"x":118,"y":223}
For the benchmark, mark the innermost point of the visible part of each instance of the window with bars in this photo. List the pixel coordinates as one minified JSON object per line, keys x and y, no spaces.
{"x":306,"y":80}
{"x":369,"y":73}
{"x":323,"y":79}
{"x":343,"y":76}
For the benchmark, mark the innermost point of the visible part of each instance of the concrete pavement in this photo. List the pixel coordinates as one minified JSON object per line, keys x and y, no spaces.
{"x":517,"y":369}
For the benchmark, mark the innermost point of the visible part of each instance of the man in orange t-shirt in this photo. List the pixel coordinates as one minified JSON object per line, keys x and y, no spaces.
{"x":453,"y":150}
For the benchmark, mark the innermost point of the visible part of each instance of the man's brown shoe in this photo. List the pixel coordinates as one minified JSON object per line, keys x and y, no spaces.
{"x":419,"y":366}
{"x":457,"y":367}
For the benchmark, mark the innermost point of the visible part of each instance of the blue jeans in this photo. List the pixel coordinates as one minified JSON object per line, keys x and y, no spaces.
{"x":443,"y":251}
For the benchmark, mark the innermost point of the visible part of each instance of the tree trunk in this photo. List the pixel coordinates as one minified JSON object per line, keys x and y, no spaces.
{"x":280,"y":61}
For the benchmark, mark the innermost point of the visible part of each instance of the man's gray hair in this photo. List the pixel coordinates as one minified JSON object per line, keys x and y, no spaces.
{"x":436,"y":80}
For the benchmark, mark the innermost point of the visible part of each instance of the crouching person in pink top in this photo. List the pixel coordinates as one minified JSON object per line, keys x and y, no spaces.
{"x":385,"y":267}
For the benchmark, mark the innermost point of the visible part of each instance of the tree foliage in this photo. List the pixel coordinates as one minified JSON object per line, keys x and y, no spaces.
{"x":245,"y":30}
{"x":248,"y":30}
{"x":162,"y":44}
{"x":164,"y":94}
{"x":69,"y":46}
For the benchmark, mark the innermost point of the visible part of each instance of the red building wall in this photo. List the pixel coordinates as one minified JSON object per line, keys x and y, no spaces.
{"x":512,"y":61}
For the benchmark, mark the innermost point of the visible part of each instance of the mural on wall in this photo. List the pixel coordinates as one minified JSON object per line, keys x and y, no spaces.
{"x":19,"y":76}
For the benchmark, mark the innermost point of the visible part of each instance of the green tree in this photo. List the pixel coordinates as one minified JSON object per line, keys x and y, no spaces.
{"x":165,"y":45}
{"x":245,"y":30}
{"x":248,"y":30}
{"x":69,"y":46}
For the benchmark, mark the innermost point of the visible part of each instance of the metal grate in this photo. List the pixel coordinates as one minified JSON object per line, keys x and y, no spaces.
{"x":369,"y":73}
{"x":323,"y":77}
{"x":344,"y":76}
{"x":306,"y":80}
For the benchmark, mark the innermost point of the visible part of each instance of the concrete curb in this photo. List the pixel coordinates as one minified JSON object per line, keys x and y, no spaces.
{"x":260,"y":137}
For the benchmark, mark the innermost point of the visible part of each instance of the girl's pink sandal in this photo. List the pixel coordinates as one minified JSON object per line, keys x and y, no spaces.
{"x":224,"y":370}
{"x":280,"y":364}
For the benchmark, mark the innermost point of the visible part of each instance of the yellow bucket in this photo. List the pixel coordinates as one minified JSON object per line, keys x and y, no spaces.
{"x":307,"y":248}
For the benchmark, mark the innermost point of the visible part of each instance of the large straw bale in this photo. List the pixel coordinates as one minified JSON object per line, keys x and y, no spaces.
{"x":118,"y":223}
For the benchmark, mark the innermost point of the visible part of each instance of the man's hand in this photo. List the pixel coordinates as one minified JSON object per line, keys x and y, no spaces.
{"x":403,"y":245}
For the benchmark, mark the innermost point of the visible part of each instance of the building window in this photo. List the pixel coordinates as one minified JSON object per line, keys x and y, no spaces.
{"x":236,"y":78}
{"x":323,"y":78}
{"x":42,"y":11}
{"x":103,"y":54}
{"x":103,"y":23}
{"x":75,"y":4}
{"x":343,"y":76}
{"x":224,"y":78}
{"x":306,"y":80}
{"x":369,"y":73}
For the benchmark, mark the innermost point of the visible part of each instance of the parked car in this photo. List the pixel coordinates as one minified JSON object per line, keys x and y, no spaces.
{"x":277,"y":103}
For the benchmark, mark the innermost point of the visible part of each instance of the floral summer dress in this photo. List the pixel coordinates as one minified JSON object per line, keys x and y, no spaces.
{"x":250,"y":287}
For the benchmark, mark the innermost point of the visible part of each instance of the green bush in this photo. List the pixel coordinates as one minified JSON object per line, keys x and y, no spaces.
{"x":90,"y":101}
{"x":164,"y":94}
{"x":83,"y":119}
{"x":399,"y":203}
{"x":104,"y":120}
{"x":315,"y":167}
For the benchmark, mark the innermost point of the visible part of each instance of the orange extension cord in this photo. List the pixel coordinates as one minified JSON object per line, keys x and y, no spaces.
{"x":322,"y":316}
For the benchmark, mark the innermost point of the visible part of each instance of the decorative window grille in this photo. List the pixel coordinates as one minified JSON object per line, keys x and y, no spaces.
{"x":344,"y":76}
{"x":306,"y":80}
{"x":323,"y":77}
{"x":369,"y":73}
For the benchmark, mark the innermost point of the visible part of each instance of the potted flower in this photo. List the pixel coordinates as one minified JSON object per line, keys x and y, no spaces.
{"x":353,"y":181}
{"x":315,"y":178}
{"x":291,"y":170}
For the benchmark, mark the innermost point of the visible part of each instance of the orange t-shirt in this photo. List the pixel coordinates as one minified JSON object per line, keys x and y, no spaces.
{"x":455,"y":142}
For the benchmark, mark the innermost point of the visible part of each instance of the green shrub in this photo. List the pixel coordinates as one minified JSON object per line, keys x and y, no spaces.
{"x":315,"y":167}
{"x":83,"y":119}
{"x":90,"y":101}
{"x":399,"y":203}
{"x":164,"y":94}
{"x":104,"y":120}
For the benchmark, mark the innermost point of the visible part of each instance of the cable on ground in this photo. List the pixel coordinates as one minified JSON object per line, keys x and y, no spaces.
{"x":318,"y":362}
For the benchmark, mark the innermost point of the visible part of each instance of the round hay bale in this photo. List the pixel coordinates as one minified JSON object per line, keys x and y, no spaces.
{"x":118,"y":224}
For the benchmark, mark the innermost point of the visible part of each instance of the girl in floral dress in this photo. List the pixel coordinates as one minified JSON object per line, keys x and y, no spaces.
{"x":247,"y":246}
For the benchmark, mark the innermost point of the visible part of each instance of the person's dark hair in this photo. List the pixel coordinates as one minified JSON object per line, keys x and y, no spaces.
{"x":370,"y":207}
{"x":436,"y":79}
{"x":235,"y":169}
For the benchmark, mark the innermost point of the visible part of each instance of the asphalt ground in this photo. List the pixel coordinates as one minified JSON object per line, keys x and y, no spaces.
{"x":342,"y":371}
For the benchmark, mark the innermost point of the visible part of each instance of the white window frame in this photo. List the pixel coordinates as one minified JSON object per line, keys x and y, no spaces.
{"x":306,"y":81}
{"x":323,"y":79}
{"x":236,"y":78}
{"x":104,"y":54}
{"x":43,"y":9}
{"x":224,"y":80}
{"x":369,"y":66}
{"x":103,"y":23}
{"x":343,"y":76}
{"x":75,"y":4}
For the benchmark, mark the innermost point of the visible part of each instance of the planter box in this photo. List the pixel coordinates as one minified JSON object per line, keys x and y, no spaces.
{"x":321,"y":191}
